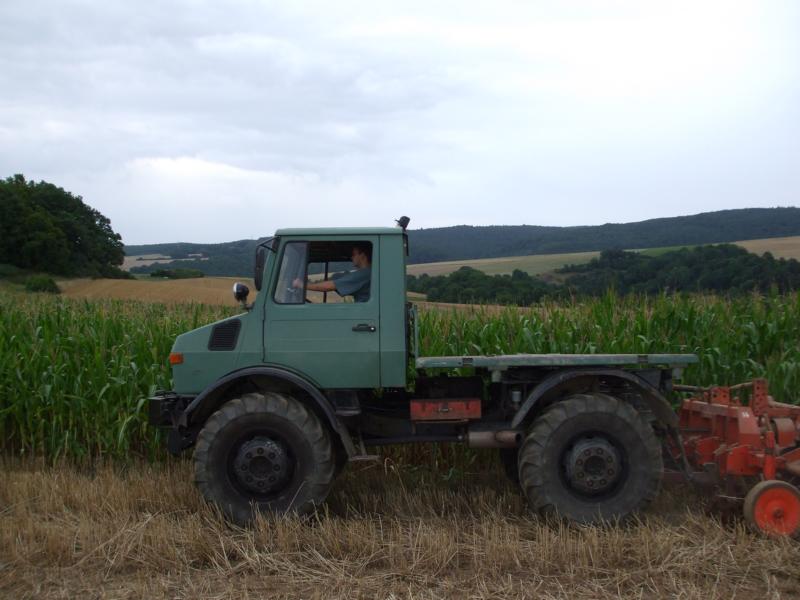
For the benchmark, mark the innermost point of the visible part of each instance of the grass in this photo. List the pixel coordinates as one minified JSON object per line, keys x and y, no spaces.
{"x":534,"y":264}
{"x":386,"y":532}
{"x":74,"y":373}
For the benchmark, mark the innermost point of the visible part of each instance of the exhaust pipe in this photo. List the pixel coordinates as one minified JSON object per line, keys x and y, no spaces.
{"x":503,"y":438}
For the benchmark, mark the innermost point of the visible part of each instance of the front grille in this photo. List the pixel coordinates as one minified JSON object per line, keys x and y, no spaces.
{"x":224,"y":335}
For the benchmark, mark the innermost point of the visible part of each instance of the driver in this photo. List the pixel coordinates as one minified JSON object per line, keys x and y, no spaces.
{"x":353,"y":283}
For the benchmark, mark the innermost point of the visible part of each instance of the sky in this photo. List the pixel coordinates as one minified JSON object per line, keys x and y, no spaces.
{"x":215,"y":121}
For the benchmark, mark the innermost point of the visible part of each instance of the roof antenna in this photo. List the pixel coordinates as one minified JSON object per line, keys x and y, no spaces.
{"x":403,"y":222}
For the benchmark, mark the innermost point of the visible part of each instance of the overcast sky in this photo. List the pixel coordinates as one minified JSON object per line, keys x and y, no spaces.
{"x":194,"y":121}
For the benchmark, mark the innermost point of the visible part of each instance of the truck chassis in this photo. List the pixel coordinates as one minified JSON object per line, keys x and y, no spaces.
{"x":277,"y":400}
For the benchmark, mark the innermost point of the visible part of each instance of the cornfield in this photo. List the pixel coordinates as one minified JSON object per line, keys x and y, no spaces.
{"x":74,"y":374}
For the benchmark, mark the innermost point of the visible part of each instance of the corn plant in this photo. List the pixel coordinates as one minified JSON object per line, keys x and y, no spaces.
{"x":74,"y":374}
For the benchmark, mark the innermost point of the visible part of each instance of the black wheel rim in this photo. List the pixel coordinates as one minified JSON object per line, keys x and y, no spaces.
{"x":594,"y":465}
{"x":261,"y":465}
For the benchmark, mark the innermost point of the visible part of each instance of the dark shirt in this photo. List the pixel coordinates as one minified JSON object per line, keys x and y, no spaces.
{"x":354,"y":283}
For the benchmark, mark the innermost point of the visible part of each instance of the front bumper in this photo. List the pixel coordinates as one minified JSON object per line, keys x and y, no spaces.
{"x":164,"y":410}
{"x":164,"y":407}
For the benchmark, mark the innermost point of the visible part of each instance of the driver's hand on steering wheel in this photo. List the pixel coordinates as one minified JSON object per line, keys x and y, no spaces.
{"x":297,"y":283}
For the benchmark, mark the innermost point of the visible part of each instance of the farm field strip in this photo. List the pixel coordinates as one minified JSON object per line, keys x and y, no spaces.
{"x":204,"y":290}
{"x":537,"y":264}
{"x":534,"y":264}
{"x":785,"y":247}
{"x":145,"y":260}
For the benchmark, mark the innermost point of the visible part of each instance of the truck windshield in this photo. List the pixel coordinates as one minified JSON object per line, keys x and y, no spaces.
{"x":293,"y":266}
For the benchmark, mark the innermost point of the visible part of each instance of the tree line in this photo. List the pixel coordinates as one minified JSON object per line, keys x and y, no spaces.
{"x":723,"y":268}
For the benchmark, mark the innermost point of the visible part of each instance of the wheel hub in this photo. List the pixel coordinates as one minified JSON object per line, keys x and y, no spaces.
{"x":262,"y":465}
{"x":593,"y":466}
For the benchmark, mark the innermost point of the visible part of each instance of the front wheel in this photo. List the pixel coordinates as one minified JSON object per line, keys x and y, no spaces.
{"x":590,"y":458}
{"x":263,"y":452}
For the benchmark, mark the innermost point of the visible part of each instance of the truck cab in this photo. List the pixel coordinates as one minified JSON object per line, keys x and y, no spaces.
{"x":276,"y":400}
{"x":328,"y":339}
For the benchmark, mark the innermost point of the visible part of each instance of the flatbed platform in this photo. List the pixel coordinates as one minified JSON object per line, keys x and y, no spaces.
{"x":504,"y":361}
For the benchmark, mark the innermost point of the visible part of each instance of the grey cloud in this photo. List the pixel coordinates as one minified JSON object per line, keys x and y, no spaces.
{"x":350,"y":112}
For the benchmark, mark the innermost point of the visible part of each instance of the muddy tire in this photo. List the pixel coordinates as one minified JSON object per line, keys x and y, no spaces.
{"x":590,"y":458}
{"x":264,"y":452}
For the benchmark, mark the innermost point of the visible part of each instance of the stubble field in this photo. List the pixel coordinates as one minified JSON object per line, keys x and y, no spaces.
{"x":386,"y":532}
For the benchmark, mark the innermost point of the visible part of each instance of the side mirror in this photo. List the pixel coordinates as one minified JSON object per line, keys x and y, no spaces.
{"x":240,"y":293}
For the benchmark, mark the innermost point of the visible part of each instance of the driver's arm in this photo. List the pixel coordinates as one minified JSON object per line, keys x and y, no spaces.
{"x":318,"y":286}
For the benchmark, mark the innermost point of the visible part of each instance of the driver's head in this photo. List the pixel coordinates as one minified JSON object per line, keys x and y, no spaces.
{"x":362,"y":254}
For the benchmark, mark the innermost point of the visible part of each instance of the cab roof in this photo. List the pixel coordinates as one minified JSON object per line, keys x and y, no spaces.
{"x":309,"y":232}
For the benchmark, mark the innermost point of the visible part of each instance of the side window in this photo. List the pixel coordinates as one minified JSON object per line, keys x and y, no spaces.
{"x":293,"y":266}
{"x":347,"y":264}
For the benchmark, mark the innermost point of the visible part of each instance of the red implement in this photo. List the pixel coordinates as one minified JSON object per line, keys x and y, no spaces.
{"x":730,"y":439}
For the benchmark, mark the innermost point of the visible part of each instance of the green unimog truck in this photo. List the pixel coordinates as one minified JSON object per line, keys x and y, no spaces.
{"x":275,"y":401}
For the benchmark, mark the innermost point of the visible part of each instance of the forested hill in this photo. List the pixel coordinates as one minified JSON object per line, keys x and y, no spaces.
{"x":228,"y":258}
{"x":467,"y":242}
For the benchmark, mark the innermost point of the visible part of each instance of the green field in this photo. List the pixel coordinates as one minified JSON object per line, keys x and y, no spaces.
{"x":537,"y":264}
{"x":74,"y":373}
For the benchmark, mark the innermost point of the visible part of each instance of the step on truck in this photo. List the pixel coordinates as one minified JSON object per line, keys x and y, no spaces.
{"x":276,"y":400}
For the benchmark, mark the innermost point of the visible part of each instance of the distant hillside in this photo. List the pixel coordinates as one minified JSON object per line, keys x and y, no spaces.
{"x":225,"y":259}
{"x":465,"y":242}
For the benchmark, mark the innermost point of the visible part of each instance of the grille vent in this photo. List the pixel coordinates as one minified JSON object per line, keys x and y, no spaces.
{"x":224,"y":335}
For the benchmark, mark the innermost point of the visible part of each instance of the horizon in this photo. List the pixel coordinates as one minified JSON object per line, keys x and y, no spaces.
{"x":503,"y":225}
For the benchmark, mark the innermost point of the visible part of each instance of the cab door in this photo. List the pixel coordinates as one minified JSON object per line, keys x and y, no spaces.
{"x":336,"y":344}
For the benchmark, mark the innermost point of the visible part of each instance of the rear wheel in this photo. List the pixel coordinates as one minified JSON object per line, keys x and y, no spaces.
{"x":264,"y":452}
{"x":590,"y":458}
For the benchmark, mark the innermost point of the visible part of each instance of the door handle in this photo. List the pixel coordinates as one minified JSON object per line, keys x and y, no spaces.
{"x":365,"y":327}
